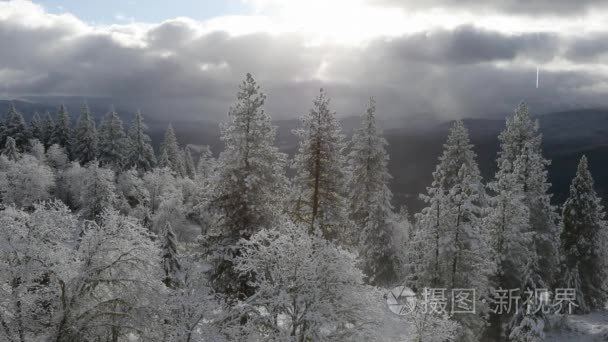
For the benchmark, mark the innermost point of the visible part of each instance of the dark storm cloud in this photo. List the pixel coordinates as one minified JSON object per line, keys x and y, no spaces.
{"x":591,"y":47}
{"x":469,"y":45}
{"x":176,"y":71}
{"x":519,"y":7}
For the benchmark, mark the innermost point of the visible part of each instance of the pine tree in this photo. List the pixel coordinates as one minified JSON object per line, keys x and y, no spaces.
{"x":528,"y":324}
{"x":47,"y":130}
{"x":85,"y":143}
{"x":188,"y":163}
{"x":170,"y":153}
{"x":584,"y":241}
{"x":508,"y":222}
{"x":203,"y":182}
{"x":170,"y":259}
{"x":99,"y":193}
{"x":251,"y":179}
{"x":15,"y":127}
{"x":206,"y":164}
{"x":140,"y":152}
{"x":10,"y":149}
{"x":112,"y":141}
{"x":320,"y":182}
{"x":370,"y":201}
{"x":36,"y":127}
{"x":522,"y":139}
{"x":450,"y":249}
{"x":61,"y":133}
{"x":249,"y":188}
{"x":456,"y":181}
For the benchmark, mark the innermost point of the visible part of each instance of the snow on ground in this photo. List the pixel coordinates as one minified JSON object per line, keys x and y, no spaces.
{"x":581,"y":328}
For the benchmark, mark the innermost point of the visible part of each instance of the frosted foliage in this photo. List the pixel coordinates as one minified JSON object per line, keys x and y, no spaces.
{"x":306,"y":288}
{"x":25,"y":181}
{"x":249,"y":187}
{"x":319,"y":195}
{"x":66,"y":280}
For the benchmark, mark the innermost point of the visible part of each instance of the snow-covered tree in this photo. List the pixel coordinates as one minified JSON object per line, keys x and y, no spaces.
{"x":62,"y":134}
{"x":99,"y":193}
{"x":429,"y":325}
{"x":56,"y":157}
{"x":452,"y":208}
{"x":193,"y":308}
{"x":166,"y":201}
{"x":318,"y":198}
{"x":203,"y":185}
{"x":16,"y":128}
{"x":133,"y":190}
{"x":161,"y":185}
{"x":47,"y":129}
{"x":251,"y":179}
{"x":140,"y":153}
{"x":65,"y":280}
{"x":84,"y":148}
{"x":508,"y":222}
{"x":25,"y":181}
{"x":36,"y":249}
{"x":205,"y":167}
{"x":36,"y":127}
{"x":170,"y":155}
{"x":170,"y":258}
{"x":584,"y":242}
{"x":112,"y":142}
{"x":115,"y":287}
{"x":189,"y":168}
{"x":522,"y":139}
{"x":307,"y":288}
{"x":10,"y":149}
{"x":71,"y":184}
{"x":249,"y":187}
{"x":37,"y":150}
{"x":450,"y":249}
{"x":370,"y":201}
{"x":528,"y":324}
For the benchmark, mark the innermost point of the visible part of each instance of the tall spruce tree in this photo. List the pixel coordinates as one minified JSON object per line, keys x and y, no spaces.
{"x":522,"y":139}
{"x":584,"y":242}
{"x":140,"y":153}
{"x":319,"y":196}
{"x":170,"y":257}
{"x":249,"y":188}
{"x":15,"y":127}
{"x":61,"y":133}
{"x":171,"y":156}
{"x":36,"y":127}
{"x":445,"y":210}
{"x":99,"y":192}
{"x":85,"y":141}
{"x":112,"y":141}
{"x":10,"y":149}
{"x":508,"y":222}
{"x":370,"y":201}
{"x":189,"y":168}
{"x":47,"y":129}
{"x":450,"y":249}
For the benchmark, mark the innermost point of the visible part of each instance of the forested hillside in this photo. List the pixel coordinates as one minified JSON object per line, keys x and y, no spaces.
{"x":104,"y":237}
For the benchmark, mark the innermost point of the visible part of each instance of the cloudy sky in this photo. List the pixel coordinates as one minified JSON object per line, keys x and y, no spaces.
{"x":184,"y":58}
